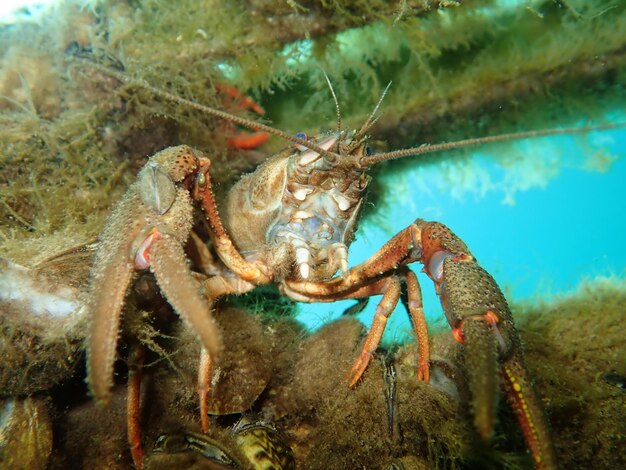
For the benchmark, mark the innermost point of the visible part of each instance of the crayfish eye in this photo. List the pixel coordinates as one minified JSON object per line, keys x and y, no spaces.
{"x":303,"y":136}
{"x":368,"y":150}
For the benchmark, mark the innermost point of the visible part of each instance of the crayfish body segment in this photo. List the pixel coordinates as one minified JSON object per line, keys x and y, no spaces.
{"x":297,"y":210}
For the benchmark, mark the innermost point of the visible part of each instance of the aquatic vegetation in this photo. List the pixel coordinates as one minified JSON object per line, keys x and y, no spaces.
{"x":73,"y":138}
{"x":584,"y":344}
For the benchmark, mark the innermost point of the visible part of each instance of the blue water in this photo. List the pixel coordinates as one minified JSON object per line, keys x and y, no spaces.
{"x":541,"y":224}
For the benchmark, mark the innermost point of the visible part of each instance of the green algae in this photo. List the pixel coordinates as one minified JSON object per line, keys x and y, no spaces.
{"x":71,"y":140}
{"x":572,"y":344}
{"x":298,"y":382}
{"x":70,"y":134}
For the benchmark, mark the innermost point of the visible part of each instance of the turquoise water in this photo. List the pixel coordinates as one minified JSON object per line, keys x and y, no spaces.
{"x":541,"y":224}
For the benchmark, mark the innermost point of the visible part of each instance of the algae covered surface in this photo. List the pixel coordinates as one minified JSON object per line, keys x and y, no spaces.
{"x":73,"y":138}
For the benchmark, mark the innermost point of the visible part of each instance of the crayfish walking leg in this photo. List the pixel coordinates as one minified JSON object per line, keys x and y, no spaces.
{"x":475,"y":308}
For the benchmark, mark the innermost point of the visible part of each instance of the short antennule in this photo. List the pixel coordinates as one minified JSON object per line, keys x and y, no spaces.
{"x":332,"y":92}
{"x":371,"y":119}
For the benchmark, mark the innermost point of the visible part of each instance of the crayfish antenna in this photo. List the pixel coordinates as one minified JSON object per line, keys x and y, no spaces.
{"x":332,"y":92}
{"x":252,"y":125}
{"x":370,"y":160}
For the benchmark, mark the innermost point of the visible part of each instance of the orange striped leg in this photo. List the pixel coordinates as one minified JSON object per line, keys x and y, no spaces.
{"x":133,"y":404}
{"x":226,"y":250}
{"x":383,"y":310}
{"x":418,"y":321}
{"x":205,"y":372}
{"x":386,"y":261}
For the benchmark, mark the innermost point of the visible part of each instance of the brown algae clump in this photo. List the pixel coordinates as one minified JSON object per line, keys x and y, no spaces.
{"x":72,"y":139}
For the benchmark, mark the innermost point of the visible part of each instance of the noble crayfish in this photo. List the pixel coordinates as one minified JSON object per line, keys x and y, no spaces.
{"x":291,"y":223}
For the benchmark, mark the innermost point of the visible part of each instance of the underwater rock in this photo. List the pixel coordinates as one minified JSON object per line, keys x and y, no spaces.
{"x":333,"y":426}
{"x":239,"y":377}
{"x":93,"y":436}
{"x":25,"y":434}
{"x":41,"y":328}
{"x":571,"y":343}
{"x":323,"y":362}
{"x":446,"y":365}
{"x":328,"y":425}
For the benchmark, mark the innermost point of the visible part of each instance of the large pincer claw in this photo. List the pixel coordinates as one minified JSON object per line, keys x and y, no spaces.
{"x":481,"y":319}
{"x":477,"y":312}
{"x":147,"y":230}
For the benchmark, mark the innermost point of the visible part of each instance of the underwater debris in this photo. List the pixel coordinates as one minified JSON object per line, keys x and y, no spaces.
{"x":25,"y":433}
{"x":41,"y":327}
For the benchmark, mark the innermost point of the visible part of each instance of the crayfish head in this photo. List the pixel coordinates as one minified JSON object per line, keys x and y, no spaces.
{"x":320,"y":206}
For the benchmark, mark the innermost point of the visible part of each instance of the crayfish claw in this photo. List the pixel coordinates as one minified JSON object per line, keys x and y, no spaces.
{"x":111,"y":274}
{"x":104,"y":328}
{"x":147,"y":229}
{"x":482,"y":321}
{"x":168,"y":262}
{"x":481,"y":363}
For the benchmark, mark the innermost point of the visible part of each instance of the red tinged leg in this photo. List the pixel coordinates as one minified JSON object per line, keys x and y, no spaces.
{"x":133,"y":404}
{"x":242,"y":140}
{"x":205,"y":372}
